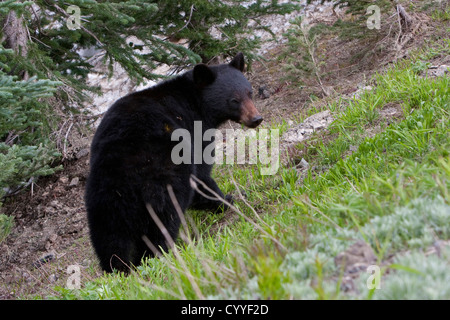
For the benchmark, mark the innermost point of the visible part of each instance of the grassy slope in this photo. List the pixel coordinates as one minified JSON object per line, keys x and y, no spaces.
{"x":282,"y":239}
{"x":392,"y":193}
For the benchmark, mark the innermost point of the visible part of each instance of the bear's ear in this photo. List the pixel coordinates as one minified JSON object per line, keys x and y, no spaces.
{"x":238,"y":62}
{"x":203,"y":75}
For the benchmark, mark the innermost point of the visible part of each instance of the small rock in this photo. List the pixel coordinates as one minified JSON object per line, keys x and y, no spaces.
{"x":348,"y":284}
{"x":305,"y":129}
{"x":353,"y":261}
{"x":26,"y":276}
{"x":357,"y":255}
{"x":43,"y":260}
{"x":86,"y":262}
{"x":438,"y":71}
{"x":52,"y":278}
{"x":263,"y":92}
{"x":329,"y":90}
{"x":74,"y":182}
{"x":49,"y":210}
{"x":82,"y":153}
{"x":64,"y":179}
{"x":318,"y":126}
{"x":358,"y":93}
{"x":53,"y":237}
{"x":303,"y":163}
{"x":54,"y":204}
{"x":357,"y":267}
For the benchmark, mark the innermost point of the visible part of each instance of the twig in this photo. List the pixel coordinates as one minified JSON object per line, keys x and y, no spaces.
{"x":243,"y":198}
{"x":351,"y":184}
{"x":189,"y":20}
{"x":160,"y":225}
{"x":170,"y":241}
{"x":183,"y":27}
{"x":309,"y":44}
{"x":195,"y":180}
{"x":177,"y":206}
{"x":204,"y":262}
{"x":404,"y":16}
{"x":65,"y":139}
{"x":12,"y":135}
{"x":404,"y":22}
{"x":117,"y":257}
{"x":322,"y":214}
{"x":151,"y":246}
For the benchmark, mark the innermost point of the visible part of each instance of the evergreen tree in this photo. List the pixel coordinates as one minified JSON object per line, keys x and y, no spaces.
{"x":137,"y":34}
{"x":24,"y":150}
{"x":356,"y":27}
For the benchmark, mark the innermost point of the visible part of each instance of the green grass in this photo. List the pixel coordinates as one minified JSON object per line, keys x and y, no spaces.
{"x":6,"y":224}
{"x":280,"y":243}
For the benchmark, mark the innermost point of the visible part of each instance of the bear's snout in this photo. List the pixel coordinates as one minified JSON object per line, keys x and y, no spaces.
{"x":256,"y":121}
{"x":250,"y":116}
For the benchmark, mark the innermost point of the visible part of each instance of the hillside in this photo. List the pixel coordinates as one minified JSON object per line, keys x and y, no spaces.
{"x":364,"y":180}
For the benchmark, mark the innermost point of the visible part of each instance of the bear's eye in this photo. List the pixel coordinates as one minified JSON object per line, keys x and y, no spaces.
{"x":234,"y":101}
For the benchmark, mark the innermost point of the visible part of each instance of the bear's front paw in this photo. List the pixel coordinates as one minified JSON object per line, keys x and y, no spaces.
{"x":223,"y":206}
{"x":229,"y":198}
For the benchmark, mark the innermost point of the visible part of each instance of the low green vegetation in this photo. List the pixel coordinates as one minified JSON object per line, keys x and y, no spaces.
{"x":391,"y":191}
{"x":6,"y":224}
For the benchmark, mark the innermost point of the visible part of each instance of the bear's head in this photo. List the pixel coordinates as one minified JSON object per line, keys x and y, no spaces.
{"x":227,"y":94}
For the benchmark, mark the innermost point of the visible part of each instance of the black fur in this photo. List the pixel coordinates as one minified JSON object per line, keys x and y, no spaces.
{"x":131,"y":162}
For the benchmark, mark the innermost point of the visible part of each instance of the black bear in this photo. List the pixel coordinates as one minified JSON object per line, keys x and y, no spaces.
{"x":131,"y":165}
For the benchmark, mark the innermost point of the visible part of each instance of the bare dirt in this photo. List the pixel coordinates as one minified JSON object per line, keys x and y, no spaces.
{"x":50,"y":227}
{"x":50,"y":232}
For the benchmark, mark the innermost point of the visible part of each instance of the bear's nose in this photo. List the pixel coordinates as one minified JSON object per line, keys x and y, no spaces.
{"x":256,"y":121}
